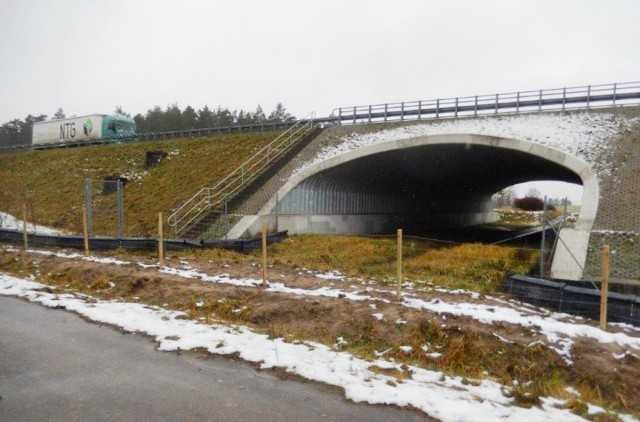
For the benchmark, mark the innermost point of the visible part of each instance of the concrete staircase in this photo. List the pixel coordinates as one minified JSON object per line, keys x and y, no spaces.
{"x":209,"y":224}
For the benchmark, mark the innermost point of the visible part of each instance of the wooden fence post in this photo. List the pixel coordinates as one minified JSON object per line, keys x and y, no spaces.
{"x":85,"y":230}
{"x":24,"y":226}
{"x":160,"y":241}
{"x":399,"y":264}
{"x":604,"y":288}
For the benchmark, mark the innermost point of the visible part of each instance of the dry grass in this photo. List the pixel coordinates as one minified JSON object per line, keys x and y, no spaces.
{"x":472,"y":266}
{"x":51,"y":182}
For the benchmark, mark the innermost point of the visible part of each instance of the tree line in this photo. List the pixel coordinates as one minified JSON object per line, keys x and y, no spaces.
{"x":172,"y":118}
{"x":157,"y":119}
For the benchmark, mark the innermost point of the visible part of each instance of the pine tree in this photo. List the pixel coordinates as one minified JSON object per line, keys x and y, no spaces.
{"x":59,"y":114}
{"x":280,"y":115}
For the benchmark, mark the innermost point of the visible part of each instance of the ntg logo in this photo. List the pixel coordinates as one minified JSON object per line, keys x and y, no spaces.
{"x":87,"y":127}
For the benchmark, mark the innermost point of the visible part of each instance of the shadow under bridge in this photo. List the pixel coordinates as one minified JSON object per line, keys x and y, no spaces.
{"x":418,"y":185}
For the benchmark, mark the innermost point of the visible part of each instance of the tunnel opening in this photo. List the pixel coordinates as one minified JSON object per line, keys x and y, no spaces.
{"x":425,"y":183}
{"x":442,"y":190}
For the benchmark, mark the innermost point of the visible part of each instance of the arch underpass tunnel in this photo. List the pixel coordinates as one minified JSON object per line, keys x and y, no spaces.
{"x":417,"y":188}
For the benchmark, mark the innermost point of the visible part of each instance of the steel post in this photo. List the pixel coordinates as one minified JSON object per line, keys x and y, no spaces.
{"x":542,"y":242}
{"x":226,"y":216}
{"x":277,"y":208}
{"x":120,"y":205}
{"x":540,"y":102}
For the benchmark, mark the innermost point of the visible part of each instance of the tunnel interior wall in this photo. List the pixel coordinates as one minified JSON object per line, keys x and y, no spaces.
{"x":309,"y":209}
{"x":379,"y":223}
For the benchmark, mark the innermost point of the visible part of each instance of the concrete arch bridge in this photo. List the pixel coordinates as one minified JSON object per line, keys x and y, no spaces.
{"x":374,"y":178}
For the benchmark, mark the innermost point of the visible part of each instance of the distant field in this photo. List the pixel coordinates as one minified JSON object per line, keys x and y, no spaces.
{"x":51,"y":182}
{"x":519,"y":219}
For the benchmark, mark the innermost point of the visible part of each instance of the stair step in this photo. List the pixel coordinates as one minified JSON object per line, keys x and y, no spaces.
{"x":251,"y":182}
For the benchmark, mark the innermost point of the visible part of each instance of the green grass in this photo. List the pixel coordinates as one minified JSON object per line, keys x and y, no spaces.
{"x":50,"y":182}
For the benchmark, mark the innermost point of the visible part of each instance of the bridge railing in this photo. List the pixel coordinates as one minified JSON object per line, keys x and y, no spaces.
{"x":556,"y":99}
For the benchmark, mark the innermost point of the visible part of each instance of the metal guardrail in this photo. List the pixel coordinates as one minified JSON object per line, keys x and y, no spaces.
{"x":557,"y":99}
{"x":160,"y":136}
{"x":543,"y":100}
{"x":211,"y":198}
{"x":86,"y":142}
{"x":191,"y":133}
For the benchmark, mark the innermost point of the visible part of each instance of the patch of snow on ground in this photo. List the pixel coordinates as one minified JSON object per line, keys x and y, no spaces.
{"x":331,"y":275}
{"x":7,"y":221}
{"x":592,"y":409}
{"x":89,"y":258}
{"x":322,"y":291}
{"x":557,"y":332}
{"x":474,"y":295}
{"x":220,"y":278}
{"x":443,"y":397}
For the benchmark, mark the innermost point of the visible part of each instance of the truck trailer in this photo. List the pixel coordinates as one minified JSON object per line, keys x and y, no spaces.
{"x":83,"y":129}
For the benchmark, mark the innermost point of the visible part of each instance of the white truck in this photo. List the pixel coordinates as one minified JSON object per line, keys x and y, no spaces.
{"x":83,"y":129}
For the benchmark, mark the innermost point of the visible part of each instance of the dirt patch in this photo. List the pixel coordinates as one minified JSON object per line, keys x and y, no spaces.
{"x":378,"y":327}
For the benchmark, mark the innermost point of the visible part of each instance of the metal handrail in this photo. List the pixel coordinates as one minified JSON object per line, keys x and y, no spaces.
{"x":556,"y":99}
{"x":209,"y":198}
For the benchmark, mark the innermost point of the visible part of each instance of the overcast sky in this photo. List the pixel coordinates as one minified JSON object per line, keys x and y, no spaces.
{"x":91,"y":56}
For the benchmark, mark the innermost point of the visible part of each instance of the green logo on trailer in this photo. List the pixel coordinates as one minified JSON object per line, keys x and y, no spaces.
{"x":87,"y":127}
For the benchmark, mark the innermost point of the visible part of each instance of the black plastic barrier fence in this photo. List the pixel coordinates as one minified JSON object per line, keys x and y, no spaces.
{"x":133,"y":243}
{"x":570,"y":298}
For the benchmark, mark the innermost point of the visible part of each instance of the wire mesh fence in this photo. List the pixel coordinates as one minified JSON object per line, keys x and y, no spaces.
{"x":625,"y":254}
{"x":423,"y":254}
{"x":104,"y":205}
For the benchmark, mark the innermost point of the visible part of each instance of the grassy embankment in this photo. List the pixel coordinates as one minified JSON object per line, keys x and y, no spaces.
{"x":51,"y":182}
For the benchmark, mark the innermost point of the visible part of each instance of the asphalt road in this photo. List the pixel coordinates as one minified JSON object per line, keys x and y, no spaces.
{"x":55,"y":366}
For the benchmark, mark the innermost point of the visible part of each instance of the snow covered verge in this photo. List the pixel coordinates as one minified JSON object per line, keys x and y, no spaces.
{"x":7,"y":221}
{"x":559,"y":331}
{"x":444,"y":397}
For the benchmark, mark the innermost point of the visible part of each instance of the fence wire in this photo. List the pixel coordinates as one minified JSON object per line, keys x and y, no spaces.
{"x":624,"y":245}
